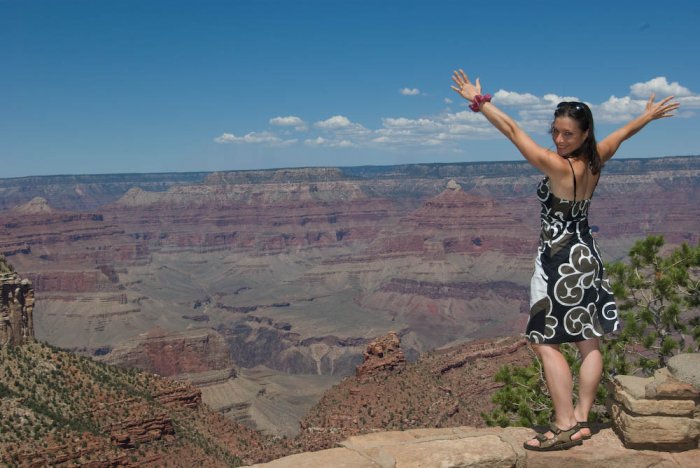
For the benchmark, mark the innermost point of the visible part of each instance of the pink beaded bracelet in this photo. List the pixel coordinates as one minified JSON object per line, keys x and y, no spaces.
{"x":478,"y":101}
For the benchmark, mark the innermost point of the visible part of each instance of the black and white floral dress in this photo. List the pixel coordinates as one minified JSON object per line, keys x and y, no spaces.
{"x":570,"y":296}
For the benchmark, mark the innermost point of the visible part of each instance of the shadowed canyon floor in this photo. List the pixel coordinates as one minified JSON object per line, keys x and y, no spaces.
{"x":266,"y":286}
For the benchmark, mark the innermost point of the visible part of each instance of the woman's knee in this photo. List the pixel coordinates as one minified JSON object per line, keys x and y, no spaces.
{"x":544,"y":350}
{"x":587,"y":347}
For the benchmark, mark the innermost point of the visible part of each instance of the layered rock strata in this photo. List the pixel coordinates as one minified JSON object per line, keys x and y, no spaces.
{"x":16,"y":308}
{"x":660,"y":412}
{"x":170,"y":354}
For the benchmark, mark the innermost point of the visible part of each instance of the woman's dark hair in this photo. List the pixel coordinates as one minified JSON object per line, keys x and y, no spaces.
{"x":581,"y":113}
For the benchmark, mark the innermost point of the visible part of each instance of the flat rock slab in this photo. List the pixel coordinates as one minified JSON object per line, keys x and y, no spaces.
{"x":462,"y":447}
{"x":644,"y":407}
{"x":336,"y":458}
{"x":634,"y":386}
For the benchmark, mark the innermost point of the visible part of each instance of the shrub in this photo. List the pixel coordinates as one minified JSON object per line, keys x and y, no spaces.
{"x":658,"y":298}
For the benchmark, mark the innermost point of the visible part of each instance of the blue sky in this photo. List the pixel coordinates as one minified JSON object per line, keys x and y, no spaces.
{"x":153,"y":86}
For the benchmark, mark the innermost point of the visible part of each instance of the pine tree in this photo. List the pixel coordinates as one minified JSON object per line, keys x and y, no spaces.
{"x":658,"y":297}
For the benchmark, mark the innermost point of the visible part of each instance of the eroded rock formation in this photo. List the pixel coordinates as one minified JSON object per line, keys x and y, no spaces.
{"x":382,"y":355}
{"x":16,"y":308}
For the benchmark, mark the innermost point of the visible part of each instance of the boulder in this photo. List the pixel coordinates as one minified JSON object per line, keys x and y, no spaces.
{"x":686,"y":368}
{"x":658,"y":412}
{"x":647,"y":407}
{"x":655,"y":432}
{"x":664,"y":385}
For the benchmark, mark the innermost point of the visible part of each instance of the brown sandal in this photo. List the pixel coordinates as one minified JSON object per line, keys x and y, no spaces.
{"x":561,"y":441}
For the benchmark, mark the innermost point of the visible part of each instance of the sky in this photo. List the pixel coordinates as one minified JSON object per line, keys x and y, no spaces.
{"x":125,"y":86}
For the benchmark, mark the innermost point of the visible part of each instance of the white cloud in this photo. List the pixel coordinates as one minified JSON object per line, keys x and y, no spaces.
{"x":225,"y":138}
{"x":289,"y":121}
{"x":692,"y":102}
{"x":410,"y":91}
{"x":335,"y":122}
{"x":462,"y":116}
{"x":318,"y":141}
{"x":403,"y":122}
{"x":536,"y":116}
{"x":661,"y":87}
{"x":445,"y":131}
{"x":616,"y":109}
{"x":555,"y":99}
{"x":447,"y":101}
{"x":339,"y":131}
{"x":467,"y":130}
{"x":511,"y":98}
{"x":252,"y":137}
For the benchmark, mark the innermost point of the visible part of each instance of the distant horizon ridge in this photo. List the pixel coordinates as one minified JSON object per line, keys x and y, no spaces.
{"x":346,"y":168}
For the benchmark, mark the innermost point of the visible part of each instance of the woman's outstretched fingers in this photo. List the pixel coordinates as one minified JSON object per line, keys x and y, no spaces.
{"x":460,"y":78}
{"x":462,"y":82}
{"x":664,"y":101}
{"x":464,"y":76}
{"x":650,"y":102}
{"x":663,"y":108}
{"x":464,"y":87}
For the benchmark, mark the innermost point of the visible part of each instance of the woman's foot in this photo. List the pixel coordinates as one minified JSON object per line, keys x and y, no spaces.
{"x":582,"y":421}
{"x":556,"y":439}
{"x":585,"y":430}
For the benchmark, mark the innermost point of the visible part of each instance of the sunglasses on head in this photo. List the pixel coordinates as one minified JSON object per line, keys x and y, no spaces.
{"x":573,"y":104}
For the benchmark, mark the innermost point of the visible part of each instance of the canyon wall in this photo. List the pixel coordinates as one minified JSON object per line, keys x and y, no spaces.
{"x":294,"y":271}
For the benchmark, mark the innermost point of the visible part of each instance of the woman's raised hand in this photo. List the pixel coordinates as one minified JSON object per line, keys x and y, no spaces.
{"x":661,"y":109}
{"x":464,"y":87}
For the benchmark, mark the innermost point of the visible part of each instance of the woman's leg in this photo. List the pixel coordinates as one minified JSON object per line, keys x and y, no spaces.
{"x":589,"y":378}
{"x":560,"y":383}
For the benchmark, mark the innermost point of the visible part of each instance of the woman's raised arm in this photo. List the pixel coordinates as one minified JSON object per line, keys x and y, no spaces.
{"x":654,"y":110}
{"x":538,"y":156}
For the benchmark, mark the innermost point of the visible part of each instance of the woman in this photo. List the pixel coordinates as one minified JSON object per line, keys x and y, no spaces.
{"x":570,"y":298}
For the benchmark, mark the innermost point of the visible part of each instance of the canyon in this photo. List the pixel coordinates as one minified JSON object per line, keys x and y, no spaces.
{"x":264,"y":288}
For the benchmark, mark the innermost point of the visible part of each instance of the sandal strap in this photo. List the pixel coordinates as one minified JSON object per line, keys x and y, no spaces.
{"x":561,"y":438}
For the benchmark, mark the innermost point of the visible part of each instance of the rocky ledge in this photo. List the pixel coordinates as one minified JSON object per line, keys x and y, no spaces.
{"x":661,"y":412}
{"x":470,"y":447}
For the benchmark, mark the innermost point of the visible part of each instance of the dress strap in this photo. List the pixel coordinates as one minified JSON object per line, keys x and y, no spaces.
{"x":574,"y":176}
